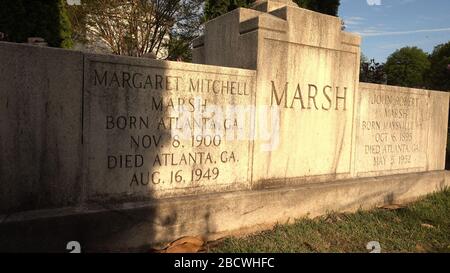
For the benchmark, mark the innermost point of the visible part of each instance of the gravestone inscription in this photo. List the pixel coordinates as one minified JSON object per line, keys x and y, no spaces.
{"x":393,"y":131}
{"x":165,"y":128}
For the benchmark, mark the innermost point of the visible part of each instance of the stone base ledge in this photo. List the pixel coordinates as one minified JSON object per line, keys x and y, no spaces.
{"x":130,"y":226}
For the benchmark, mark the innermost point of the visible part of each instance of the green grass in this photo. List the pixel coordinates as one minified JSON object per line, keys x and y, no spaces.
{"x":423,"y":226}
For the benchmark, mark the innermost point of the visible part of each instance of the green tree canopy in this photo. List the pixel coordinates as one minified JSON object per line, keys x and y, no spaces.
{"x":187,"y":27}
{"x":407,"y":67}
{"x":438,"y":77}
{"x":20,"y":19}
{"x":215,"y":8}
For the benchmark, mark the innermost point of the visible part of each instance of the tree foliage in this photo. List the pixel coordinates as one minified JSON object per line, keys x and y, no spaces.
{"x":215,"y":8}
{"x":20,"y":19}
{"x":188,"y":27}
{"x":134,"y":27}
{"x":329,"y":7}
{"x":438,"y":77}
{"x":371,"y":71}
{"x":407,"y":67}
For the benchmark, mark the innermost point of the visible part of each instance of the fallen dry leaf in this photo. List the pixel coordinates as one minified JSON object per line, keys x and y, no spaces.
{"x":187,"y":244}
{"x":183,"y":248}
{"x":392,"y":206}
{"x":196,"y":241}
{"x":420,"y":248}
{"x":427,"y":225}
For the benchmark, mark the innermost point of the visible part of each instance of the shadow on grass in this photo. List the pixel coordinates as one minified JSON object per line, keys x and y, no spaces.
{"x":423,"y":226}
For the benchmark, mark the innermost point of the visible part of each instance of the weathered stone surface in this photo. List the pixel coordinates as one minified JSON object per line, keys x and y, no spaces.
{"x":266,"y":6}
{"x":400,"y":130}
{"x":158,"y":129}
{"x":94,"y":145}
{"x":235,"y":51}
{"x":307,"y":76}
{"x":40,"y":123}
{"x":438,"y":130}
{"x":132,"y":226}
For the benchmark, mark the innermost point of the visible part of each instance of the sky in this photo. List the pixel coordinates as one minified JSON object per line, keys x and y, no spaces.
{"x":388,"y":25}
